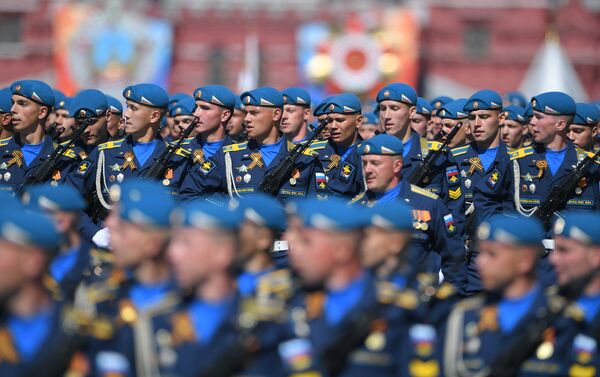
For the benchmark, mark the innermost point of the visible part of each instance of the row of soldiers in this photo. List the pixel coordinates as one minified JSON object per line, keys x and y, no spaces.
{"x":196,"y":289}
{"x":474,"y":175}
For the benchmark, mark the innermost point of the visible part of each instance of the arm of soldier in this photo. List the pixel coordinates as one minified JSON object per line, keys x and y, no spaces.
{"x":449,"y":241}
{"x":204,"y":177}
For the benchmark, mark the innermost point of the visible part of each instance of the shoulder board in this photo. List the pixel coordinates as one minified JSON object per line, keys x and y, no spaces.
{"x":318,"y":144}
{"x":424,"y":146}
{"x":520,"y":153}
{"x":183,"y":152}
{"x":434,"y":145}
{"x":70,"y":153}
{"x":459,"y":150}
{"x":422,"y":191}
{"x":471,"y":303}
{"x":110,"y":144}
{"x":278,"y":282}
{"x":187,"y":141}
{"x":235,"y":147}
{"x":4,"y":142}
{"x":575,"y":312}
{"x":444,"y":291}
{"x":102,"y":255}
{"x":591,"y":155}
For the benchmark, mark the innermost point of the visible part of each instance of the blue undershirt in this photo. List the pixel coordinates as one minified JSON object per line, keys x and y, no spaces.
{"x":590,"y":306}
{"x":145,"y":295}
{"x":346,"y":152}
{"x":487,"y":157}
{"x":30,"y":152}
{"x":510,"y":311}
{"x":247,"y":281}
{"x":143,"y":151}
{"x":63,"y":263}
{"x":406,"y":147}
{"x":211,"y":147}
{"x":390,"y":195}
{"x":29,"y":333}
{"x":269,"y":151}
{"x":207,"y":317}
{"x":555,"y":159}
{"x":339,"y":302}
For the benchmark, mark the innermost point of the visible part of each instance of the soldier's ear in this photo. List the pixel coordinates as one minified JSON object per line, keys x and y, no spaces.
{"x":44,"y":112}
{"x":359,"y":120}
{"x":307,"y":113}
{"x":226,"y":115}
{"x":108,"y":116}
{"x":594,"y":131}
{"x":561,"y":124}
{"x":7,"y":118}
{"x":155,"y":116}
{"x":277,"y":113}
{"x":501,"y":117}
{"x":412,"y":110}
{"x":397,"y":165}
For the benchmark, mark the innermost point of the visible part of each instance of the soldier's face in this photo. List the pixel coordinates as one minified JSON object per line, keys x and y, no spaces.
{"x":343,"y":129}
{"x":254,"y":239}
{"x":210,"y":117}
{"x":544,"y":127}
{"x":17,"y":265}
{"x":434,"y":127}
{"x":26,"y":113}
{"x":500,"y":264}
{"x":512,"y":133}
{"x":65,"y":221}
{"x":66,"y":123}
{"x":379,"y":246}
{"x":367,"y":131}
{"x":313,"y":254}
{"x":382,"y":173}
{"x":294,"y":117}
{"x":259,"y":121}
{"x":96,"y":132}
{"x":325,"y":134}
{"x":235,"y":126}
{"x":484,"y":124}
{"x":582,"y":136}
{"x":138,"y":118}
{"x":395,"y":116}
{"x":572,"y":259}
{"x":113,"y":124}
{"x":418,"y":123}
{"x":180,"y":124}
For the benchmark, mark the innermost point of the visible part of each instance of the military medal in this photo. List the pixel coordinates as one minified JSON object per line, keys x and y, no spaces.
{"x":293,"y":181}
{"x":524,"y":187}
{"x":7,"y":176}
{"x":116,"y":167}
{"x":545,"y":350}
{"x":111,"y":178}
{"x":166,"y":182}
{"x":54,"y":183}
{"x":426,"y":180}
{"x":467,"y":183}
{"x":3,"y":166}
{"x":168,"y":176}
{"x":417,"y":225}
{"x":243,"y":169}
{"x":247,"y":178}
{"x":238,"y":179}
{"x":375,"y":341}
{"x":120,"y":177}
{"x":578,"y":191}
{"x":463,"y":173}
{"x":532,"y":188}
{"x":424,"y":227}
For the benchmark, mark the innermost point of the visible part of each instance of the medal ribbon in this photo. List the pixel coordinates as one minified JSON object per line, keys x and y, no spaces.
{"x":198,"y":156}
{"x":16,"y":159}
{"x":475,"y":165}
{"x":256,"y":161}
{"x":542,"y":165}
{"x":129,"y":161}
{"x":334,"y":162}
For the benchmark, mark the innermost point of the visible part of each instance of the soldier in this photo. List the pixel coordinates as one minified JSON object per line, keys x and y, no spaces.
{"x":577,"y":256}
{"x":235,"y":126}
{"x":140,"y":286}
{"x":514,"y":98}
{"x":6,"y":127}
{"x":536,"y":169}
{"x":33,"y":338}
{"x":451,"y":114}
{"x":370,"y":126}
{"x":420,"y":121}
{"x":174,"y":131}
{"x":23,"y":153}
{"x":296,"y":111}
{"x":484,"y":167}
{"x":238,"y":169}
{"x":64,"y":123}
{"x":436,"y":123}
{"x":436,"y":229}
{"x":513,"y":130}
{"x":583,"y":129}
{"x":96,"y":106}
{"x":182,"y":115}
{"x":481,"y":329}
{"x":114,"y":125}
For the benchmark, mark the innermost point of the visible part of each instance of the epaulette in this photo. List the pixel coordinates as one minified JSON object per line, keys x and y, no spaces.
{"x":183,"y":152}
{"x":471,"y":303}
{"x":318,"y":144}
{"x":520,"y":153}
{"x":389,"y":293}
{"x":71,"y":154}
{"x":110,"y":144}
{"x":422,"y":191}
{"x":262,"y":309}
{"x":187,"y":141}
{"x":444,"y":291}
{"x":4,"y":142}
{"x":591,"y":155}
{"x":459,"y":150}
{"x":235,"y":147}
{"x":308,"y":151}
{"x":101,"y":256}
{"x":278,"y":283}
{"x":434,"y":145}
{"x":85,"y":324}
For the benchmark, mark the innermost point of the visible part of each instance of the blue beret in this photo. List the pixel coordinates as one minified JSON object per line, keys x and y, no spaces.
{"x":344,"y":103}
{"x":394,"y":215}
{"x":585,"y":114}
{"x":423,"y":106}
{"x":5,"y":100}
{"x":114,"y":105}
{"x":296,"y":96}
{"x":54,"y":198}
{"x":484,"y":100}
{"x":171,"y":105}
{"x":264,"y":96}
{"x":88,"y":103}
{"x":516,"y":113}
{"x":238,"y":104}
{"x":439,"y":101}
{"x":263,"y":210}
{"x":202,"y":214}
{"x":554,"y":103}
{"x":515,"y":98}
{"x":63,"y":104}
{"x":185,"y":106}
{"x":143,"y":202}
{"x":453,"y":110}
{"x":398,"y":92}
{"x":28,"y":228}
{"x":35,"y":90}
{"x":320,"y":107}
{"x":9,"y":201}
{"x":58,"y":96}
{"x":176,"y":97}
{"x":581,"y":226}
{"x":382,"y":144}
{"x":332,"y":214}
{"x":147,"y":94}
{"x":370,"y":118}
{"x":216,"y":94}
{"x":528,"y":113}
{"x":517,"y":231}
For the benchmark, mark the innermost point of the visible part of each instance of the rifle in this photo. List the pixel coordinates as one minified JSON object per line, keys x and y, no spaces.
{"x":561,"y":193}
{"x":161,"y":164}
{"x":274,"y":179}
{"x":44,"y":171}
{"x":508,"y":362}
{"x":425,"y":168}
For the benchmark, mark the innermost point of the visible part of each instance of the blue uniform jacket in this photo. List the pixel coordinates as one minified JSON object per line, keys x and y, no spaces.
{"x":344,"y":178}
